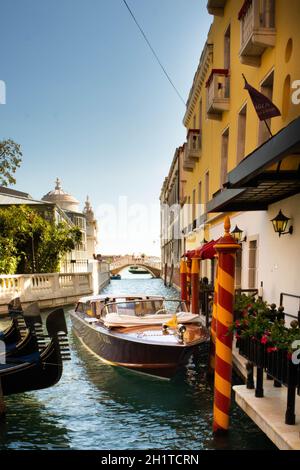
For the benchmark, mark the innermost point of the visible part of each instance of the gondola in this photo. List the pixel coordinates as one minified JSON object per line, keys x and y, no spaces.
{"x":12,"y":334}
{"x":26,"y":325}
{"x":150,"y":334}
{"x":30,"y":324}
{"x":41,"y":369}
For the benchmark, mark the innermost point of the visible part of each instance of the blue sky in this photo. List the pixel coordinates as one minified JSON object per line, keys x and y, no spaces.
{"x":88,"y":103}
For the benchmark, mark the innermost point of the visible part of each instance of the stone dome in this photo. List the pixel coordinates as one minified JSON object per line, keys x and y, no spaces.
{"x":64,"y":200}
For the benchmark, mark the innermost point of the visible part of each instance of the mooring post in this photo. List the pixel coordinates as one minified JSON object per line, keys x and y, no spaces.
{"x":226,"y":249}
{"x":183,"y":280}
{"x":188,"y":281}
{"x":2,"y":403}
{"x":195,"y":285}
{"x":213,"y":325}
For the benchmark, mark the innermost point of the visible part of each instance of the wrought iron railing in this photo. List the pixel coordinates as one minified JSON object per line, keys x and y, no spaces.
{"x":278,"y":365}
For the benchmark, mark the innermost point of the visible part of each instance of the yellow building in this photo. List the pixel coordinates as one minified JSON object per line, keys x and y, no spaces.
{"x":230,"y":161}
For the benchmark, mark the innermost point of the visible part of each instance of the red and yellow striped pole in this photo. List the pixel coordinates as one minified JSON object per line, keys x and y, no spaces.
{"x":183,"y":280}
{"x":188,"y":280}
{"x":213,"y":325}
{"x":195,"y":285}
{"x":226,"y":249}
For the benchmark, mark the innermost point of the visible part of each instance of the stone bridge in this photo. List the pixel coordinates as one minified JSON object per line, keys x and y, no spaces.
{"x":152,"y":264}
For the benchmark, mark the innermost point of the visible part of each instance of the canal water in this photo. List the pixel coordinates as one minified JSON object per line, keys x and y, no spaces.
{"x":95,"y":406}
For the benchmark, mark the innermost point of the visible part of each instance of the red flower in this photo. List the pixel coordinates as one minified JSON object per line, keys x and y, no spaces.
{"x":272,"y":349}
{"x":237,"y":336}
{"x":264,"y":339}
{"x":289,"y":355}
{"x":238,"y":323}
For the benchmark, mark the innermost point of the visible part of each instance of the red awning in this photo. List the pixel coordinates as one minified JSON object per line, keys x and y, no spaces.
{"x":206,"y":251}
{"x":189,"y":254}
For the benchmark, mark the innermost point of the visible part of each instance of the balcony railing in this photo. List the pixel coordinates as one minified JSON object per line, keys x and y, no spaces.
{"x":257,"y":30}
{"x":218,"y":93}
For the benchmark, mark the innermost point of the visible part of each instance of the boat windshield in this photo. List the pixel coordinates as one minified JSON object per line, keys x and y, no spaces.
{"x":141,"y":308}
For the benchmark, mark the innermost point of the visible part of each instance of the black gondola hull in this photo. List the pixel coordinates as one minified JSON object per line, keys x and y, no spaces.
{"x":26,"y":376}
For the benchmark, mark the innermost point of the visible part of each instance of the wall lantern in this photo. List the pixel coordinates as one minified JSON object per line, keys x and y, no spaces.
{"x":237,"y":234}
{"x":280,"y":223}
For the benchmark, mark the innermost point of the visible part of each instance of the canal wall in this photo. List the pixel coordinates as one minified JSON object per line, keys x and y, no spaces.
{"x":53,"y":289}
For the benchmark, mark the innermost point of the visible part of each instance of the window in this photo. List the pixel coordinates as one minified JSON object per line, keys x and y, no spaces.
{"x":227,"y":59}
{"x":199,"y":199}
{"x":238,"y":269}
{"x":267,"y":90}
{"x":194,"y":205}
{"x":206,"y":187}
{"x":252,"y":271}
{"x":224,"y":157}
{"x":242,"y":117}
{"x":189,"y":210}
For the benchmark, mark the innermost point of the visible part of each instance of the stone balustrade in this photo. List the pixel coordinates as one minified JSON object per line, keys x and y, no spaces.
{"x":49,"y":290}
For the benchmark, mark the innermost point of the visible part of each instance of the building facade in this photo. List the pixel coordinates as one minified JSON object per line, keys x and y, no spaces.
{"x":59,"y":206}
{"x":233,"y":164}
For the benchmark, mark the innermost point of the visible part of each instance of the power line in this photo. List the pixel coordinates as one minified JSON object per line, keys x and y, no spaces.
{"x":153,"y":51}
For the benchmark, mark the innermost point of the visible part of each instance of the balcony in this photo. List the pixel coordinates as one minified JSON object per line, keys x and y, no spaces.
{"x":218,"y":92}
{"x":192,"y":150}
{"x":188,"y":164}
{"x":257,"y":30}
{"x":216,"y":7}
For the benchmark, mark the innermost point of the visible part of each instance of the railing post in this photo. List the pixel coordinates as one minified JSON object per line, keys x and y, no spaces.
{"x":250,"y":378}
{"x":226,"y":249}
{"x":55,"y":283}
{"x":290,"y":417}
{"x":259,"y":391}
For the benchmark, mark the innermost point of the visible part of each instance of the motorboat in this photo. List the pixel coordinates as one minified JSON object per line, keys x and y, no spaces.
{"x":147,"y":334}
{"x":138,"y":270}
{"x":115,"y":277}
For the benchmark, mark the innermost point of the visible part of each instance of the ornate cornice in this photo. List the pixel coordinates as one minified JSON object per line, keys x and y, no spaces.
{"x":199,"y":79}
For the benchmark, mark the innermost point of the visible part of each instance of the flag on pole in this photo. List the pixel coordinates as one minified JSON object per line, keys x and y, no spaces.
{"x":264,"y":107}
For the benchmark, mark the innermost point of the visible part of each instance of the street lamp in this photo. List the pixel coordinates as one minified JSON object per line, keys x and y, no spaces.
{"x":280,"y":223}
{"x":237,"y":234}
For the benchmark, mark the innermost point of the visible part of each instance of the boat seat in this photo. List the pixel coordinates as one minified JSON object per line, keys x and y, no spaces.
{"x":115,"y":320}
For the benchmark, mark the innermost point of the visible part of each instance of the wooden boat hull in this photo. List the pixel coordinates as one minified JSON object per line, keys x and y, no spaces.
{"x":162,"y":361}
